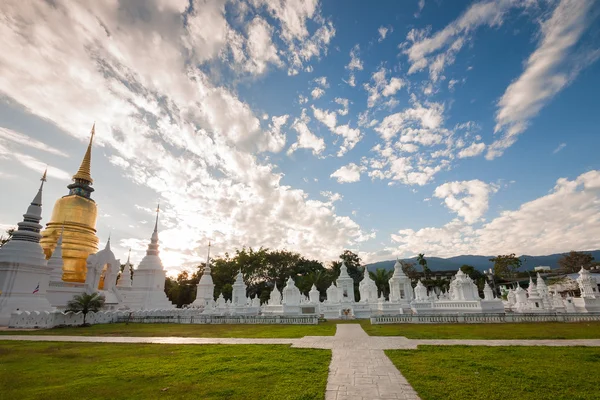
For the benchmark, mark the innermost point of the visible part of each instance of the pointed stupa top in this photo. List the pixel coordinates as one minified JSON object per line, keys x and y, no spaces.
{"x":29,"y":229}
{"x":540,"y":282}
{"x":207,"y":267}
{"x":84,"y":172}
{"x":153,"y":246}
{"x":531,"y":290}
{"x":125,"y":277}
{"x":344,"y":271}
{"x":56,"y":260}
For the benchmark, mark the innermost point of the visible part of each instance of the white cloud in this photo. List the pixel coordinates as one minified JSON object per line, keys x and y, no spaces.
{"x":381,"y":86}
{"x":473,"y":150}
{"x":328,"y":118}
{"x":421,"y":49}
{"x":344,"y":103}
{"x":322,"y":81}
{"x":559,"y":148}
{"x":549,"y":69}
{"x":143,"y":81}
{"x":317,"y":92}
{"x":565,"y":219}
{"x":294,"y":16}
{"x":351,"y":135}
{"x":348,"y":173}
{"x":355,"y":61}
{"x":393,"y":86}
{"x":468,"y":199}
{"x":261,"y":49}
{"x":8,"y":138}
{"x":306,"y":139}
{"x":383,"y":31}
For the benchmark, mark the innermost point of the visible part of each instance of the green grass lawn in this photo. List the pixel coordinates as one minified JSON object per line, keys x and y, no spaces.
{"x":536,"y":330}
{"x":489,"y":373}
{"x":30,"y":370}
{"x":196,"y":330}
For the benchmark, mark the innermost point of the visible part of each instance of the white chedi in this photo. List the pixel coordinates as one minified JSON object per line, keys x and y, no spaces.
{"x":587,"y":284}
{"x":463,"y":288}
{"x":205,"y":290}
{"x":291,"y":294}
{"x":400,"y":285}
{"x":345,"y":285}
{"x":367,"y":289}
{"x":275,"y":297}
{"x":488,"y":294}
{"x":332,"y":294}
{"x":314,"y":295}
{"x":148,"y":288}
{"x":125,"y":278}
{"x":24,"y":271}
{"x":421,"y":292}
{"x":238,"y":294}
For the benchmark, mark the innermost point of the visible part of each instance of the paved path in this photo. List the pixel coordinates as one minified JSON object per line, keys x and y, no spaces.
{"x":359,"y":369}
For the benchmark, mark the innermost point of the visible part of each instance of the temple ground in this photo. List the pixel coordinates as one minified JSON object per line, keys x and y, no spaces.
{"x":182,"y":330}
{"x":534,"y":330}
{"x":33,"y":370}
{"x":489,"y":373}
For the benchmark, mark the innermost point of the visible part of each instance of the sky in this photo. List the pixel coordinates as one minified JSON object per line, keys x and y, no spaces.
{"x":390,"y":128}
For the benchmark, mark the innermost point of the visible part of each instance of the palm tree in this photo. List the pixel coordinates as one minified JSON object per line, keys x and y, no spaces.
{"x":423,"y":263}
{"x":381,"y":277}
{"x":85,"y":303}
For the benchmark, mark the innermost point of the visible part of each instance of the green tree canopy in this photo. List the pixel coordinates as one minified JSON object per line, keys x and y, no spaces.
{"x":575,"y":260}
{"x":506,"y":266}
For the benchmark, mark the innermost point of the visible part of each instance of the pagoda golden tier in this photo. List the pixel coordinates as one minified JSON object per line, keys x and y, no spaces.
{"x":77,"y":213}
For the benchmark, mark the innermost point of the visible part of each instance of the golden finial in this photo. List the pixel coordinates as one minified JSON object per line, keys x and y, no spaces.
{"x":83,"y":173}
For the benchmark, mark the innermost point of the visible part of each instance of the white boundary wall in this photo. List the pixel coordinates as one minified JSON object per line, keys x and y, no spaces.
{"x":49,"y":319}
{"x":483,"y":318}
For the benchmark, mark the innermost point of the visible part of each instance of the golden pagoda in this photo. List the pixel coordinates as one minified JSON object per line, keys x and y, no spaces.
{"x":77,"y":213}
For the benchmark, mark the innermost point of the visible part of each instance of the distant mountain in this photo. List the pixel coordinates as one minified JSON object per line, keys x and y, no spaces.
{"x":479,"y":262}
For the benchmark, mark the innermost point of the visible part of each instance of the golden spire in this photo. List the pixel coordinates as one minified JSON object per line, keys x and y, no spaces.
{"x":84,"y":169}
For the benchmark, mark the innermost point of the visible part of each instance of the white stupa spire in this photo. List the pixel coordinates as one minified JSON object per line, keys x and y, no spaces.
{"x":151,"y":260}
{"x":153,"y":246}
{"x":207,"y":267}
{"x":29,"y":229}
{"x":56,"y":261}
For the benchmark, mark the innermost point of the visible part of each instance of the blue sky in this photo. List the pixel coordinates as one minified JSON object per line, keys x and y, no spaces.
{"x":444,"y":127}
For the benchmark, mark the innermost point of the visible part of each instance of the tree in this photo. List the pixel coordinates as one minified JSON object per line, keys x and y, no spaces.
{"x":506,"y":266}
{"x":423,"y":263}
{"x":381,"y":277}
{"x":5,"y":239}
{"x":409,"y":270}
{"x":85,"y":303}
{"x":575,"y":260}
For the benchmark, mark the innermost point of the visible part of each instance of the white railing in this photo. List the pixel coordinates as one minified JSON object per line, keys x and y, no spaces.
{"x":483,"y":318}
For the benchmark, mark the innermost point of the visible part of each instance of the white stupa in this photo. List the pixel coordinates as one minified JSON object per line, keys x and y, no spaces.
{"x":367,"y":289}
{"x":148,"y":287}
{"x":205,"y":292}
{"x":345,"y":285}
{"x":24,"y":271}
{"x":125,"y":278}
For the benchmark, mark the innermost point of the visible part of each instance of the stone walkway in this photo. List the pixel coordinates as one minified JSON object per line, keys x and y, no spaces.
{"x":359,"y":369}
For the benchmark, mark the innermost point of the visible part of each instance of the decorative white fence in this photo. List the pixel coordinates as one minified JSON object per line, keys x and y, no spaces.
{"x":482,"y":318}
{"x":49,"y":319}
{"x":220,"y":319}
